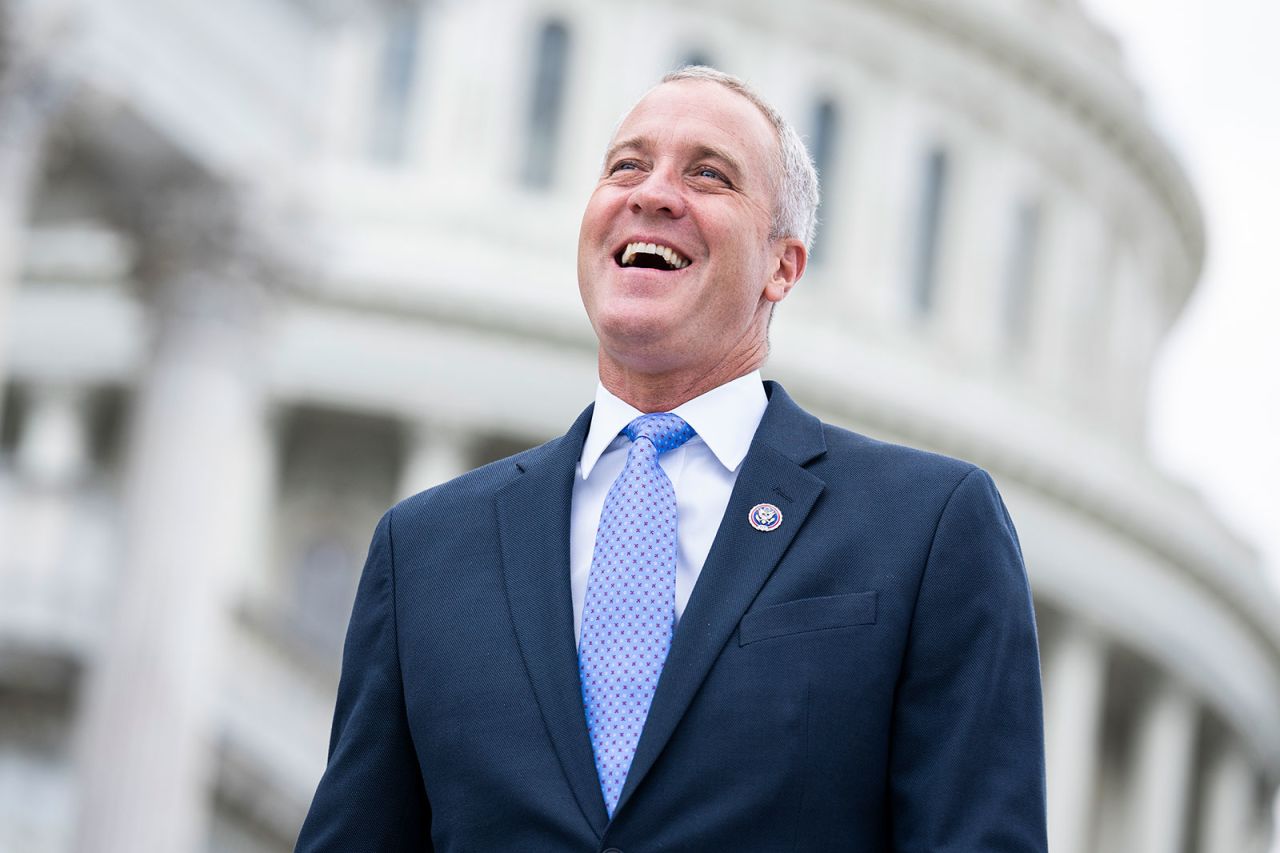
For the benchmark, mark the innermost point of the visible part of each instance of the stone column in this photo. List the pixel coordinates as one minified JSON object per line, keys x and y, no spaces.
{"x":1227,"y":822}
{"x":436,"y":452}
{"x":1075,"y":670}
{"x":52,"y":457}
{"x":971,"y":272}
{"x":192,"y":496}
{"x":32,"y":90}
{"x":1123,"y":383}
{"x":1161,"y":777}
{"x":43,"y":588}
{"x":1073,"y":244}
{"x":53,"y":441}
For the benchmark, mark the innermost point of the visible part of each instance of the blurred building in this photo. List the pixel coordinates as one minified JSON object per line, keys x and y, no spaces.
{"x":268,"y":265}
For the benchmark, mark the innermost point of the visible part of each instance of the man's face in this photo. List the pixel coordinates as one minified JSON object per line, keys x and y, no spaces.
{"x":689,"y":171}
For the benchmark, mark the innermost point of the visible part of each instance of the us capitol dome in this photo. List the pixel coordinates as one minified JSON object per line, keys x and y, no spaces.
{"x":267,"y":266}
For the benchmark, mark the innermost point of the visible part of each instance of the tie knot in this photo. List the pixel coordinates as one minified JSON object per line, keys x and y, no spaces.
{"x":665,"y":430}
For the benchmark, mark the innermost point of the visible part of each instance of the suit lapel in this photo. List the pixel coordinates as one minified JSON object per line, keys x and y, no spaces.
{"x":533,"y":527}
{"x":740,"y":561}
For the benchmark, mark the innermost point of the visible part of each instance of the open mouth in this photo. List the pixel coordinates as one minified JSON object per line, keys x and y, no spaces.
{"x":651,"y":256}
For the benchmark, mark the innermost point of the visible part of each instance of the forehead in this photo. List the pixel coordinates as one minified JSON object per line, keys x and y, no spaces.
{"x":700,"y":114}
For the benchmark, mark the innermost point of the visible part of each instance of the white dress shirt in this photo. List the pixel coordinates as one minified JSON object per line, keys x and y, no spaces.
{"x":702,"y":472}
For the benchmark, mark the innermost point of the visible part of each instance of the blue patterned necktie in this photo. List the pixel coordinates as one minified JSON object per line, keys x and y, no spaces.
{"x":629,"y":612}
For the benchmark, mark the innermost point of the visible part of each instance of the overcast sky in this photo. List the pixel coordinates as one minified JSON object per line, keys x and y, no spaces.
{"x":1211,"y":71}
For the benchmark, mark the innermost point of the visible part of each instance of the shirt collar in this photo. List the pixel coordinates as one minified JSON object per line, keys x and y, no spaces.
{"x":725,"y":418}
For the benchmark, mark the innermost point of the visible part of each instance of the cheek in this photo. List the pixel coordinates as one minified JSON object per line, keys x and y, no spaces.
{"x":588,"y":230}
{"x":602,"y":208}
{"x":734,"y":290}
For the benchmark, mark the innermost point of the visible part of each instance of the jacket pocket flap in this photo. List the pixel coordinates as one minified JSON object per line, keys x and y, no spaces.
{"x":808,"y":614}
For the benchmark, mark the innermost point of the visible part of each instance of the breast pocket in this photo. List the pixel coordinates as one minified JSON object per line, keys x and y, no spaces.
{"x":808,"y":614}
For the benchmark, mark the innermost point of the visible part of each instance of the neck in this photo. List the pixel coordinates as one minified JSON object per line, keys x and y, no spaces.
{"x":663,"y":391}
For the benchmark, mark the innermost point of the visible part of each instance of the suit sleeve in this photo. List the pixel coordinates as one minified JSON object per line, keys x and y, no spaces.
{"x":967,"y":752}
{"x":371,"y":797}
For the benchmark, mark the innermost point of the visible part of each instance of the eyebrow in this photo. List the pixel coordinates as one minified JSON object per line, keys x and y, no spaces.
{"x":701,"y":152}
{"x":631,"y":142}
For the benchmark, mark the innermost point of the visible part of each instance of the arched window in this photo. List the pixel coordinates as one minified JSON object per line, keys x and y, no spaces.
{"x":928,"y":231}
{"x":1020,"y":272}
{"x":546,"y":104}
{"x":396,"y":77}
{"x":822,"y":145}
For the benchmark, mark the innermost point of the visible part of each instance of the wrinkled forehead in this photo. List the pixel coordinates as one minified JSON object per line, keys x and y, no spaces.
{"x":703,"y":114}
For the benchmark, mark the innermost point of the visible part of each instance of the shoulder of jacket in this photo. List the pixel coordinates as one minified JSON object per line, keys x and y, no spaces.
{"x":846,"y":447}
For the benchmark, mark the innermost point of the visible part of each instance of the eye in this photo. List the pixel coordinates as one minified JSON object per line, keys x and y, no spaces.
{"x":623,"y":165}
{"x":710,"y":173}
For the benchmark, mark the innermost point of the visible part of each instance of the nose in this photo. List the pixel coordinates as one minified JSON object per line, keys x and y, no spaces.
{"x":661,"y":193}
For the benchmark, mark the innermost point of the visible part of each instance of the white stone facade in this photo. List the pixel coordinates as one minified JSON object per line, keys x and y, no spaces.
{"x":268,"y":265}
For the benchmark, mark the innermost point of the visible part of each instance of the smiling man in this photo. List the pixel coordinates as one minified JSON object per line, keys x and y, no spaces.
{"x":701,"y":620}
{"x":680,"y":257}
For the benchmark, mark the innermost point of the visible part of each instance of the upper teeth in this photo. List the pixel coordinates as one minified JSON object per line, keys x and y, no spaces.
{"x":668,"y":254}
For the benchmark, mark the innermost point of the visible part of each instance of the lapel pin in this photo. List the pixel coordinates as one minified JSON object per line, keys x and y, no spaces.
{"x":765,"y":517}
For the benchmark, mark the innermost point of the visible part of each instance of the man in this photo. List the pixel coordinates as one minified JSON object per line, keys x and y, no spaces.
{"x":724,"y":626}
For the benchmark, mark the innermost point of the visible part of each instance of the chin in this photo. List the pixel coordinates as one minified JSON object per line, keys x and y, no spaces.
{"x":632,"y":330}
{"x":635,"y":337}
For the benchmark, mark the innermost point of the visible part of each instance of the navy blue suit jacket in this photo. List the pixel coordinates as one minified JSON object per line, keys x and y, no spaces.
{"x":863,"y":678}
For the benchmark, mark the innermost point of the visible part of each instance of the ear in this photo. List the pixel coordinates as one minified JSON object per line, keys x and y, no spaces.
{"x":790,"y":258}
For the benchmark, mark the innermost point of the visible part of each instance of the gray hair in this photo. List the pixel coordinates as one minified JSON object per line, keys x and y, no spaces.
{"x":795,"y":209}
